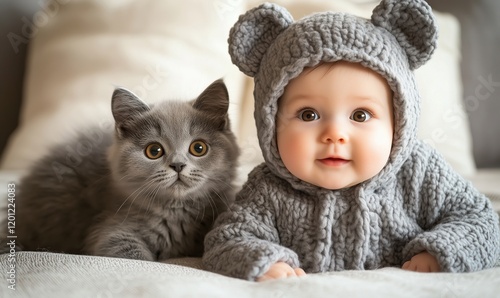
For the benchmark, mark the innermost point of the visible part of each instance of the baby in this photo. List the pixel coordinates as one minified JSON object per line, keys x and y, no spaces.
{"x":345,"y":184}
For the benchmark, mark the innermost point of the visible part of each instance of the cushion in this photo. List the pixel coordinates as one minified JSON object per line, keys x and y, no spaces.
{"x":480,"y":71}
{"x":13,"y":16}
{"x":157,"y":49}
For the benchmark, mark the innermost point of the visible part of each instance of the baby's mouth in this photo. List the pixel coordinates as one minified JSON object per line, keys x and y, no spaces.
{"x":334,"y":161}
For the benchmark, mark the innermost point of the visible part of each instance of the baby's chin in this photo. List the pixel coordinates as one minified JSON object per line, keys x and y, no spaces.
{"x":336,"y":184}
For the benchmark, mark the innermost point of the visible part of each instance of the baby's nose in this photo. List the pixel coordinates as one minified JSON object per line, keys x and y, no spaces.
{"x":335,"y":133}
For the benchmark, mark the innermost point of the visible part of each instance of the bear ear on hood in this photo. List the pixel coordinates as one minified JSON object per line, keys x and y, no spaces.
{"x":253,"y":34}
{"x":412,"y":24}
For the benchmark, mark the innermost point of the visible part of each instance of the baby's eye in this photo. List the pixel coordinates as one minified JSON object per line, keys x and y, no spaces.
{"x":308,"y":115}
{"x":361,"y":116}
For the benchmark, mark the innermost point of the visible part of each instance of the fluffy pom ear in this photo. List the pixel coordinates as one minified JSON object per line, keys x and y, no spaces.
{"x":253,"y":33}
{"x":413,"y":25}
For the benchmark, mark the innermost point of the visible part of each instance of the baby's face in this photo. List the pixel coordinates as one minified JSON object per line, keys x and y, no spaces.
{"x":335,"y":125}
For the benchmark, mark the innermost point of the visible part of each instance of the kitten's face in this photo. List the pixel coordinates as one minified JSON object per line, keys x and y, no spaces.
{"x":175,"y":150}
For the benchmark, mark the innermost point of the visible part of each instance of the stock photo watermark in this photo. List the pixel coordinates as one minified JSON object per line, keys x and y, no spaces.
{"x":155,"y":77}
{"x":40,"y":19}
{"x":76,"y":152}
{"x":454,"y":116}
{"x":482,"y":92}
{"x":11,"y":236}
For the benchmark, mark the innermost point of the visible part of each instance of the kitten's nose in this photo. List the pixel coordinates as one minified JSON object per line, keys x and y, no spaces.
{"x":177,"y":166}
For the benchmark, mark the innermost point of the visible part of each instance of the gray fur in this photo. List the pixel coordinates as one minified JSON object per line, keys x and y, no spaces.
{"x":99,"y":194}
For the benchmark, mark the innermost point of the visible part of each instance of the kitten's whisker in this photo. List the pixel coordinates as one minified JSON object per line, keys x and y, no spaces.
{"x":198,"y":202}
{"x":159,"y":174}
{"x":128,"y":198}
{"x":199,"y":205}
{"x":149,"y":200}
{"x":231,"y":186}
{"x":124,"y":176}
{"x":100,"y":179}
{"x":224,"y":200}
{"x":149,"y":191}
{"x":143,"y":188}
{"x":136,"y":193}
{"x":152,"y":197}
{"x":212,"y":204}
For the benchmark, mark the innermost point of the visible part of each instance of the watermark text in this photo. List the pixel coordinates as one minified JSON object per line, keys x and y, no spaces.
{"x":11,"y":236}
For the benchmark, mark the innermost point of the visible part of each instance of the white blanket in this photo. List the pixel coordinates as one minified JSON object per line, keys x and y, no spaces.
{"x":40,"y":274}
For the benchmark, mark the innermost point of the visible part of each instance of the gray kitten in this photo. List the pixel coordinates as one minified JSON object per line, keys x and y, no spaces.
{"x":148,"y":190}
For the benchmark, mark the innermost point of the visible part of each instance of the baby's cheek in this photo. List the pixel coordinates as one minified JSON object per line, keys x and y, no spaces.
{"x":295,"y":150}
{"x":376,"y":154}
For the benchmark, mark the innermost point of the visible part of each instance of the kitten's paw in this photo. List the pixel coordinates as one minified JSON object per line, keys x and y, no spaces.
{"x":123,"y":249}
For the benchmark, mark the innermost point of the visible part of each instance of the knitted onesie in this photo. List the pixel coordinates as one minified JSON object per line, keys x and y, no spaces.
{"x":416,"y":203}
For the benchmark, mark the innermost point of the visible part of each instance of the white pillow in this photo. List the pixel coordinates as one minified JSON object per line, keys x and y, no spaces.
{"x":83,"y":49}
{"x":443,"y":122}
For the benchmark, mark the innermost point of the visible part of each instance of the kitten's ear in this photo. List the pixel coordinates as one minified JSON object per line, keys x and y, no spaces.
{"x":214,"y":101}
{"x":126,"y":106}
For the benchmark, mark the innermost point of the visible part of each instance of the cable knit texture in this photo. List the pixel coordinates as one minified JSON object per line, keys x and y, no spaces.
{"x":416,"y":203}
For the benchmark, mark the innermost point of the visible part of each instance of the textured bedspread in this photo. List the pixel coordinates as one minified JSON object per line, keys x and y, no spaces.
{"x":42,"y":274}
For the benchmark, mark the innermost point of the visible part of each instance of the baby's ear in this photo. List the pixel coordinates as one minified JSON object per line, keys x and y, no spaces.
{"x":413,"y":25}
{"x":253,"y":33}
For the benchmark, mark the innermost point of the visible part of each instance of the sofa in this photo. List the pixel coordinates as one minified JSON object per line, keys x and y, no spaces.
{"x":62,"y":59}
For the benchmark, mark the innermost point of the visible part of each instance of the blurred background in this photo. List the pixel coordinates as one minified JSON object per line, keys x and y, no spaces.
{"x":22,"y":20}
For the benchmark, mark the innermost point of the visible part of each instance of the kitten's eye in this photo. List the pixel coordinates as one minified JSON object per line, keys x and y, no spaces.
{"x":308,"y":115}
{"x":154,"y":151}
{"x":198,"y":148}
{"x":361,"y":116}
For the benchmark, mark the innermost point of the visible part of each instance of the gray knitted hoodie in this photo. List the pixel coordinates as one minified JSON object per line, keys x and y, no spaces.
{"x":416,"y":203}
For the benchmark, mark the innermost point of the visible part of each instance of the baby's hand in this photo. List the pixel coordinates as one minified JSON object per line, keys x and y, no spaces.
{"x":422,"y":262}
{"x":281,"y":270}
